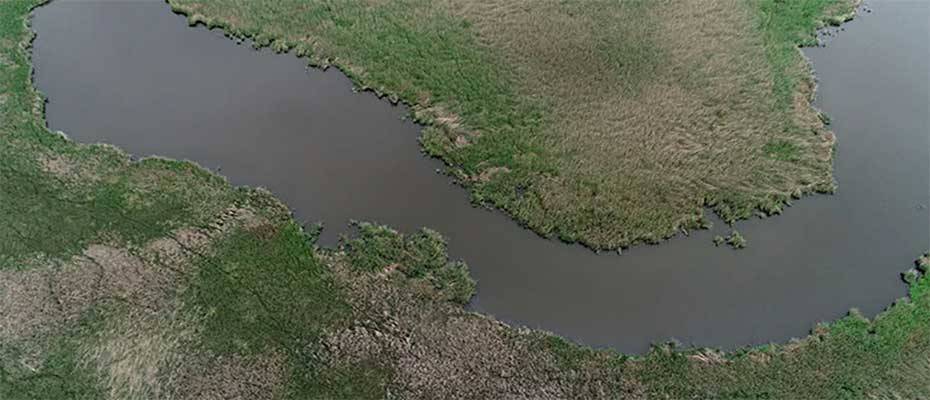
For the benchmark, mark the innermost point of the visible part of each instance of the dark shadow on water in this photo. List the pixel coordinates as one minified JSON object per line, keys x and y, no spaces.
{"x":136,"y":76}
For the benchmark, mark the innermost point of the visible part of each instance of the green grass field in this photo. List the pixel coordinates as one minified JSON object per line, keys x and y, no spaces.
{"x":151,"y":279}
{"x":603,"y":122}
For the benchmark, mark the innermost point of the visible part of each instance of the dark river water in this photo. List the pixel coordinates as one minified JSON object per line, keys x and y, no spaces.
{"x":135,"y":75}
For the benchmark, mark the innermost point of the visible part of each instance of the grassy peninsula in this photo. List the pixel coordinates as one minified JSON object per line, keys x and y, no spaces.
{"x":603,"y":122}
{"x":124,"y":279}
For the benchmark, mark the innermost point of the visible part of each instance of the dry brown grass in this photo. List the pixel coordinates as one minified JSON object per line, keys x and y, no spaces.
{"x":45,"y":298}
{"x":45,"y":302}
{"x":27,"y":305}
{"x":642,"y":141}
{"x":436,"y":349}
{"x":58,"y":166}
{"x":233,"y":377}
{"x":72,"y":169}
{"x":146,"y":347}
{"x":138,"y":354}
{"x":151,"y":350}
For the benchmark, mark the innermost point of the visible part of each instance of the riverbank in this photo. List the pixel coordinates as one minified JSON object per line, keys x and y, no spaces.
{"x":153,"y":278}
{"x":601,"y":132}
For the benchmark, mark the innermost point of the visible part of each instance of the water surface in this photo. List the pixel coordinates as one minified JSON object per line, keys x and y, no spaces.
{"x":135,"y":75}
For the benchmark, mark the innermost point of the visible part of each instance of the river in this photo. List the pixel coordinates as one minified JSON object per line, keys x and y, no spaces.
{"x":133,"y":74}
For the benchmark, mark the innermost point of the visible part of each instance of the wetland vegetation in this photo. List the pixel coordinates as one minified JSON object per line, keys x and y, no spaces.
{"x":605,"y":123}
{"x":155,"y":278}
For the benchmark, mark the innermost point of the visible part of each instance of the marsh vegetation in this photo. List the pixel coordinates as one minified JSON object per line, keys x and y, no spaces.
{"x":154,"y":278}
{"x":605,"y":123}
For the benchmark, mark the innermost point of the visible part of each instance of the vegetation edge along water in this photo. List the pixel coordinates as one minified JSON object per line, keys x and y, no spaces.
{"x":155,"y":278}
{"x":592,"y":160}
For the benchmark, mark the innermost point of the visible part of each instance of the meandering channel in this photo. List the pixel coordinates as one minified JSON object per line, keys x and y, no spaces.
{"x":133,"y":74}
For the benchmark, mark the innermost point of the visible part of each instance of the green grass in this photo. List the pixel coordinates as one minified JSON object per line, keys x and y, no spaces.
{"x":266,"y":291}
{"x":605,"y":123}
{"x":419,"y":256}
{"x":787,"y":24}
{"x":283,"y":297}
{"x":250,"y":307}
{"x":93,"y":193}
{"x":54,"y":219}
{"x":362,"y":381}
{"x":846,"y":359}
{"x":736,"y":240}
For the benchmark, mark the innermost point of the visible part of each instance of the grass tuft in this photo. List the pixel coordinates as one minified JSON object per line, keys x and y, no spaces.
{"x":736,"y":240}
{"x":421,"y":255}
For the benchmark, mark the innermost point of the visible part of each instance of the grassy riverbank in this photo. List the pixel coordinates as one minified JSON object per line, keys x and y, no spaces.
{"x":607,"y":123}
{"x":148,"y":279}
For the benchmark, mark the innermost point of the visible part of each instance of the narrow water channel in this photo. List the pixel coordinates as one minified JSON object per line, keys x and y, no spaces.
{"x":135,"y":75}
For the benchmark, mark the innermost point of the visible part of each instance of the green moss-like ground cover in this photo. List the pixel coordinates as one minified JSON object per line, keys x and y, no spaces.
{"x":156,"y":279}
